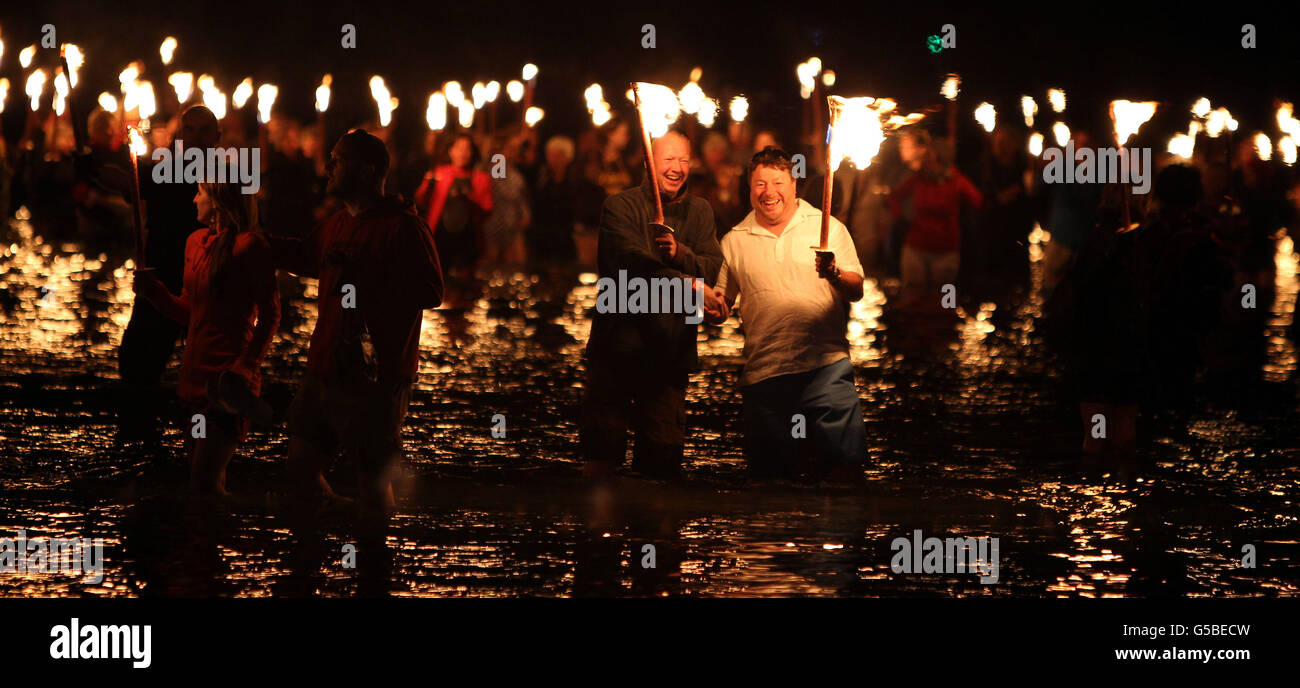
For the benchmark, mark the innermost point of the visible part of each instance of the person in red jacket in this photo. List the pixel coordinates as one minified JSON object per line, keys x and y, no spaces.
{"x":378,"y":269}
{"x":457,"y":199}
{"x":932,"y":249}
{"x":231,"y":306}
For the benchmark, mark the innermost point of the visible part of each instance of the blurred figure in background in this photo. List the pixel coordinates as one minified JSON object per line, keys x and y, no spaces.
{"x":456,"y":198}
{"x":504,"y":227}
{"x":717,"y":180}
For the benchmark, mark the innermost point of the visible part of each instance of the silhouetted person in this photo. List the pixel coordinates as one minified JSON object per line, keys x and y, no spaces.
{"x":378,"y":270}
{"x":230,"y":305}
{"x":150,"y":336}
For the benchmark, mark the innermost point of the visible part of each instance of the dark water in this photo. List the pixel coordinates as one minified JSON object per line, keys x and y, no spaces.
{"x":965,"y":433}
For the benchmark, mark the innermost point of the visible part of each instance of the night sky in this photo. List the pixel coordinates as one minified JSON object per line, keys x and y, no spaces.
{"x":1101,"y":52}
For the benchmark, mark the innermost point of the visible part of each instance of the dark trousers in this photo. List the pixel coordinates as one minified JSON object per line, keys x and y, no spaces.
{"x":833,"y":429}
{"x":643,"y":397}
{"x":147,"y":345}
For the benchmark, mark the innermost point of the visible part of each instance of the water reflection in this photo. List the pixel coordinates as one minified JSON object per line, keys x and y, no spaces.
{"x":965,"y":438}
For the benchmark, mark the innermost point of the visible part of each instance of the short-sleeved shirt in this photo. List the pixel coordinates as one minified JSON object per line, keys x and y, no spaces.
{"x":795,"y":321}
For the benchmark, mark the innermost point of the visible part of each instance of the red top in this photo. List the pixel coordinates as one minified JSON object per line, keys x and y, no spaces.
{"x":387,"y":254}
{"x":221,"y":331}
{"x":936,"y":205}
{"x":432,"y":193}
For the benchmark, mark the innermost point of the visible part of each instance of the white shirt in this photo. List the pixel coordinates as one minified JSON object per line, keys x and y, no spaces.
{"x":794,"y":320}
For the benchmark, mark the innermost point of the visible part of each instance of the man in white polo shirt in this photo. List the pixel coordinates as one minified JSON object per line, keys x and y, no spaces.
{"x":797,"y":383}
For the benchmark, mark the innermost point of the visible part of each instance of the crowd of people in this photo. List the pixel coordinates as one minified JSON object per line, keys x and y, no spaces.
{"x":1143,"y":315}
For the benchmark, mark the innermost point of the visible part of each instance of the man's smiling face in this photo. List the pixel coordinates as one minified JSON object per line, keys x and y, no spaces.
{"x":772,"y":195}
{"x":672,"y":162}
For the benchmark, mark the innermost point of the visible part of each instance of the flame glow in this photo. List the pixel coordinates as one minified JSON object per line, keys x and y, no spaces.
{"x":856,"y":134}
{"x":1056,"y":98}
{"x":478,"y":92}
{"x":529,"y":72}
{"x":807,"y":75}
{"x":72,"y":52}
{"x":35,"y":86}
{"x":1201,"y":107}
{"x":183,"y":84}
{"x":436,"y":113}
{"x":25,"y":56}
{"x":1035,"y":144}
{"x":533,"y":116}
{"x":1287,"y":149}
{"x":323,"y":93}
{"x":215,"y":101}
{"x":383,"y":100}
{"x":1286,"y":120}
{"x":828,"y":78}
{"x":987,"y":116}
{"x":1129,"y":117}
{"x":514,"y":90}
{"x":167,"y":50}
{"x":60,"y":92}
{"x":1218,"y":120}
{"x":1028,"y":108}
{"x":691,"y":97}
{"x":739,"y":109}
{"x":708,"y":113}
{"x":465,"y":113}
{"x":455,"y":96}
{"x":659,"y":107}
{"x":1182,"y":145}
{"x":243,"y":92}
{"x":1061,"y":133}
{"x":951,"y":87}
{"x":266,"y":94}
{"x":135,"y":142}
{"x":107,"y":101}
{"x":1263,"y":146}
{"x":493,"y":91}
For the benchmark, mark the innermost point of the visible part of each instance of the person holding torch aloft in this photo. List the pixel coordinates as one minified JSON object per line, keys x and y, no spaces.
{"x":797,"y":384}
{"x":638,"y":363}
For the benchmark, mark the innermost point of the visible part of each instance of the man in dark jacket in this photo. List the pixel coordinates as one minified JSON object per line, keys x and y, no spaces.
{"x":637,"y":363}
{"x":378,"y":270}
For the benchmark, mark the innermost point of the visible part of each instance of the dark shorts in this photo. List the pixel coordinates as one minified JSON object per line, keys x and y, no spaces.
{"x":365,"y":422}
{"x":229,"y":424}
{"x":833,"y":429}
{"x":649,"y":401}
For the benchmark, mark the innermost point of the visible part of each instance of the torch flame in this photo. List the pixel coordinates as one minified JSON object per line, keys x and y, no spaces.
{"x":4,"y":92}
{"x":1035,"y":144}
{"x":436,"y":114}
{"x":529,"y":72}
{"x":215,"y":101}
{"x":739,"y":108}
{"x":987,"y":116}
{"x":465,"y":113}
{"x":243,"y":92}
{"x":1201,"y":107}
{"x":533,"y":116}
{"x":167,"y":49}
{"x":72,"y":52}
{"x":1286,"y":146}
{"x":1182,"y":145}
{"x":1217,"y":120}
{"x":855,"y":133}
{"x":696,"y":73}
{"x":1286,"y":121}
{"x":60,"y":92}
{"x":1061,"y":133}
{"x":25,"y":56}
{"x":1028,"y":108}
{"x":323,"y":93}
{"x":1056,"y":98}
{"x":1129,"y":117}
{"x":266,"y":94}
{"x":183,"y":83}
{"x":35,"y":86}
{"x":136,"y":142}
{"x":515,"y":90}
{"x":828,"y":78}
{"x":383,"y":99}
{"x":107,"y":101}
{"x":951,"y":87}
{"x":478,"y":93}
{"x":1263,"y":146}
{"x":493,"y":90}
{"x":455,"y":96}
{"x":146,"y":105}
{"x":708,"y":113}
{"x":691,"y":98}
{"x":659,"y":107}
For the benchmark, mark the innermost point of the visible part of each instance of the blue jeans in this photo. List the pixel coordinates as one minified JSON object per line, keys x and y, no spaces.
{"x":833,"y":429}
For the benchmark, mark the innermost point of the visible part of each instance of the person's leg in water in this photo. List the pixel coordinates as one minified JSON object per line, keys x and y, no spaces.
{"x":659,"y":417}
{"x":373,"y":438}
{"x":147,"y":345}
{"x":209,"y":458}
{"x":603,"y":424}
{"x":835,"y":426}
